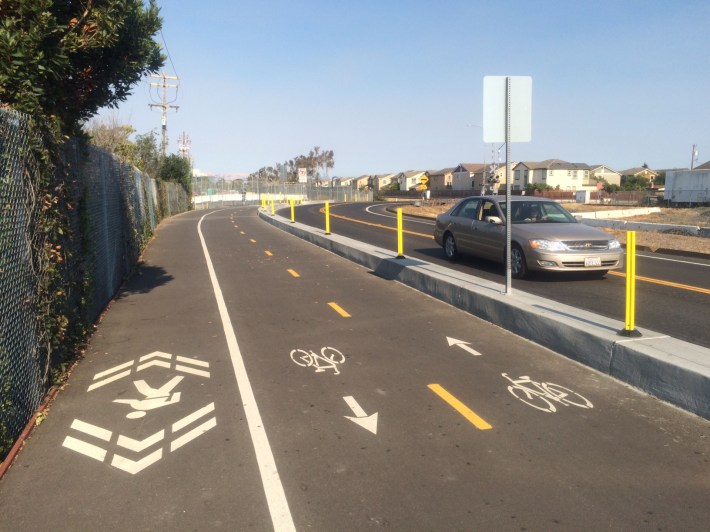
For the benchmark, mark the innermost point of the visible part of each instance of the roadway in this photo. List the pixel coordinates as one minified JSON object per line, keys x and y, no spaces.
{"x":673,"y":292}
{"x":193,"y":409}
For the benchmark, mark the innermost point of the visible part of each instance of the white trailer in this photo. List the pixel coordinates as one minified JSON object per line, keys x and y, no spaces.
{"x":687,"y":186}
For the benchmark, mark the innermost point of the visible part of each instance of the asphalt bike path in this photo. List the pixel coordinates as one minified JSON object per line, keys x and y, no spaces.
{"x":377,"y":406}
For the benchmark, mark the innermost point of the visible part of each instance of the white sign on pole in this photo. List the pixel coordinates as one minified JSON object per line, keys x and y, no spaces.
{"x":302,"y":175}
{"x":494,"y":108}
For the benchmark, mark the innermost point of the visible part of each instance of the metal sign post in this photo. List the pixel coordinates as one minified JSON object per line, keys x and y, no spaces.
{"x":507,"y":117}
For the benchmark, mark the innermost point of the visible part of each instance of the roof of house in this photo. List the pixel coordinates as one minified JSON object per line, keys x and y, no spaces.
{"x":413,"y":173}
{"x":555,"y":164}
{"x":637,"y":170}
{"x":598,"y":166}
{"x":471,"y":167}
{"x":440,"y":172}
{"x":704,"y":166}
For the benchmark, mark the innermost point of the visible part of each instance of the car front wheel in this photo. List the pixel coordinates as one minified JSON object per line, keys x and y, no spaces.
{"x":518,"y":266}
{"x":450,"y":249}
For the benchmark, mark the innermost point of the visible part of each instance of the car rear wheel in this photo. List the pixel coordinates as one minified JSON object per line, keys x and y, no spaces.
{"x":450,"y":249}
{"x":518,"y":266}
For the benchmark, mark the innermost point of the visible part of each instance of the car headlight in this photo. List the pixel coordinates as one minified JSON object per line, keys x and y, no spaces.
{"x":548,"y":245}
{"x":614,"y":244}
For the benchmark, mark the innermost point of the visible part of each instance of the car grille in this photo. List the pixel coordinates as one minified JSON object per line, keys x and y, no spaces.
{"x":580,"y":264}
{"x":587,"y":245}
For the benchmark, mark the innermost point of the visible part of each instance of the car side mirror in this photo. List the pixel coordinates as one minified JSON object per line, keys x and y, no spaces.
{"x":493,"y":220}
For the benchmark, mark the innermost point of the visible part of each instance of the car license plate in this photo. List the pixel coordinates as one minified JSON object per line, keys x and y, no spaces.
{"x":592,"y":262}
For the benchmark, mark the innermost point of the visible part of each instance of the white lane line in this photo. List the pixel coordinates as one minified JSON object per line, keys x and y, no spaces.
{"x":644,"y":255}
{"x":412,"y":220}
{"x":275,"y":495}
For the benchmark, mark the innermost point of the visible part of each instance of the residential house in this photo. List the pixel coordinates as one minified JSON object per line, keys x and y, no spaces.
{"x":411,"y":179}
{"x":345,"y":182}
{"x":383,"y":180}
{"x":362,"y":182}
{"x":551,"y":172}
{"x":441,"y":179}
{"x":468,"y":176}
{"x":642,"y":171}
{"x":603,"y":172}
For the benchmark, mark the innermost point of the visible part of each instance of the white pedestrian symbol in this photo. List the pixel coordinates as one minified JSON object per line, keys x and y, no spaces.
{"x":154,"y":397}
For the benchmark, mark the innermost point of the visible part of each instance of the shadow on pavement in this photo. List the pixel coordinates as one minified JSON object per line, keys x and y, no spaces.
{"x":144,"y":280}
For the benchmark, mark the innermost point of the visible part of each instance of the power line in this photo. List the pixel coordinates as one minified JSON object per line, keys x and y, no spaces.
{"x":170,"y":58}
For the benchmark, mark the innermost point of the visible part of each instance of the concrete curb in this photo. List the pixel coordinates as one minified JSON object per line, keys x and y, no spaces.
{"x":670,"y":369}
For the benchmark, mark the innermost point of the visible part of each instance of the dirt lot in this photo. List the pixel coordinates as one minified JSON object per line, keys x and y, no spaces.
{"x":699,"y":216}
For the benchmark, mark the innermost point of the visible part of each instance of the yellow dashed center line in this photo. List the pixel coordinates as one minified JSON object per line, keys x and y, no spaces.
{"x":268,"y":253}
{"x":252,"y":241}
{"x":242,"y":233}
{"x":337,"y":308}
{"x":293,"y":272}
{"x":461,"y":408}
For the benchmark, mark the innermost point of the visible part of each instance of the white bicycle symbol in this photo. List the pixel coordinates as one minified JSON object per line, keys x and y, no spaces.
{"x":329,"y":358}
{"x":541,"y":394}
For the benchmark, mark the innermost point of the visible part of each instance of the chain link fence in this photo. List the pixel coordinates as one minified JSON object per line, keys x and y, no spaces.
{"x":23,"y":360}
{"x":112,"y":210}
{"x":253,"y":193}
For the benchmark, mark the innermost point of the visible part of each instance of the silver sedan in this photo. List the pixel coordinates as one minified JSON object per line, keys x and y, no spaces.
{"x":544,"y":236}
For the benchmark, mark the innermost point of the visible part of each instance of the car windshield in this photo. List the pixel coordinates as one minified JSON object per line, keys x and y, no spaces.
{"x":531,"y":212}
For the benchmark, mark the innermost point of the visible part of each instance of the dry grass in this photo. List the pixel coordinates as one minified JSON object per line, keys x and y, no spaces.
{"x":698,"y":216}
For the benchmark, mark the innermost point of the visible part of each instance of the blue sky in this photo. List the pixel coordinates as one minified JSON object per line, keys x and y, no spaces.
{"x":398,"y":85}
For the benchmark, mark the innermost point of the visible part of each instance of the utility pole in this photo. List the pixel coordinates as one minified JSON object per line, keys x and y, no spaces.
{"x":164,"y":104}
{"x":184,"y":145}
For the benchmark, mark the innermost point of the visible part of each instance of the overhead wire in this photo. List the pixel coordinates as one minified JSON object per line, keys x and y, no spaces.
{"x":170,"y":58}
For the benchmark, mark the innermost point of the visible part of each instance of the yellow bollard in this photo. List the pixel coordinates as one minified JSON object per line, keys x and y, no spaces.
{"x":273,"y":211}
{"x":327,"y":218}
{"x":400,"y":240}
{"x":629,"y":329}
{"x":293,"y":210}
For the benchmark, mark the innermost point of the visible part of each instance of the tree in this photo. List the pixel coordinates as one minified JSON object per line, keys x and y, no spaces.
{"x":111,"y":136}
{"x":66,"y":59}
{"x":146,"y":156}
{"x":177,"y":169}
{"x":531,"y":188}
{"x":634,"y":182}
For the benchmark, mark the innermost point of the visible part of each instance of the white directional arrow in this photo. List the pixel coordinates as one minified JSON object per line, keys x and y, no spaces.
{"x":463,"y":345}
{"x":361,"y":418}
